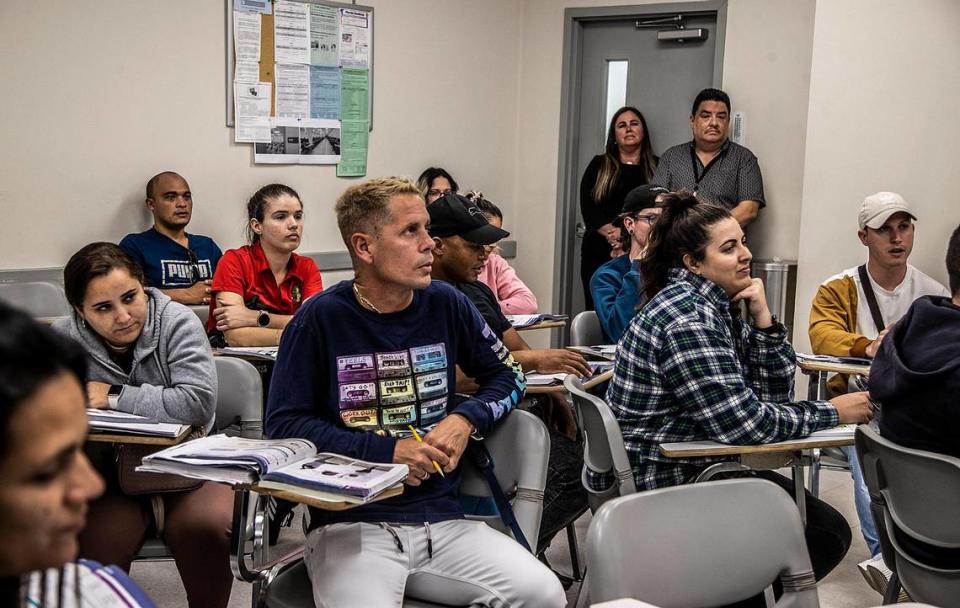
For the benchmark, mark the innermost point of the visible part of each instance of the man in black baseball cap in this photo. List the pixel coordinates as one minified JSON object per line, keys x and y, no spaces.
{"x":460,"y":232}
{"x":455,"y":215}
{"x":617,"y":286}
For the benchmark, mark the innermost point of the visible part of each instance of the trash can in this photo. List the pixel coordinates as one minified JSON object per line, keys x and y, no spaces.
{"x":780,"y":284}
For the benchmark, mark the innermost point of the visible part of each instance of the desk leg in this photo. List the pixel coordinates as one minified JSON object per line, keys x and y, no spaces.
{"x":813,"y":476}
{"x":798,"y":489}
{"x":816,"y":389}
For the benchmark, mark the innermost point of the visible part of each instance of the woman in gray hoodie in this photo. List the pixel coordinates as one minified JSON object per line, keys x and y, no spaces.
{"x":148,"y":355}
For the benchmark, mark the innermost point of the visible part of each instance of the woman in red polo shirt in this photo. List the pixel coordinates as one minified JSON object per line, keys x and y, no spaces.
{"x":258,"y":287}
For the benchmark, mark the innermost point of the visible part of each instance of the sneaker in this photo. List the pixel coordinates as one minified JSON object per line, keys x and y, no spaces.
{"x":867,"y":569}
{"x":878,"y":577}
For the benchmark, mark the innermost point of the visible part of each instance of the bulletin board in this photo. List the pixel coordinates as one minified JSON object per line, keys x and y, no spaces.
{"x":299,"y":78}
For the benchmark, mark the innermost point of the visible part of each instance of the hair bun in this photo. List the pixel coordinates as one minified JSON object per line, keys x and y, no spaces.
{"x":682,"y":201}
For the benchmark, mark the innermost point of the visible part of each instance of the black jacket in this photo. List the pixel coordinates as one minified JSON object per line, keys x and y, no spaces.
{"x":916,"y":378}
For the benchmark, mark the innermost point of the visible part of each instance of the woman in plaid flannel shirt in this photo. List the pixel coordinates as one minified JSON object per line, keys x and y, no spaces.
{"x":690,"y":368}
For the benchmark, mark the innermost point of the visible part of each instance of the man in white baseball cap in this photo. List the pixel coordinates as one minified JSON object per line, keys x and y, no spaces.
{"x":877,"y":209}
{"x":853,"y":310}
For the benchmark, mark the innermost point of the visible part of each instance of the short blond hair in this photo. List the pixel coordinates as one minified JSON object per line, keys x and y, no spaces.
{"x":365,"y":207}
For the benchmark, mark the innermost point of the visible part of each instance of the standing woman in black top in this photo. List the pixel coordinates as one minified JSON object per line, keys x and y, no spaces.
{"x":627,"y":162}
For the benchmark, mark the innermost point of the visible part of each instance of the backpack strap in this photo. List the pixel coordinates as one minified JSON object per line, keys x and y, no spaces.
{"x":871,"y":298}
{"x":483,"y":461}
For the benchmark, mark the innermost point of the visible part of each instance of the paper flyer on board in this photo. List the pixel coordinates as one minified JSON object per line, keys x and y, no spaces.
{"x":253,"y":6}
{"x":353,"y":148}
{"x":291,"y":32}
{"x":324,"y":92}
{"x":247,"y":71}
{"x":252,"y":111}
{"x":324,"y":34}
{"x":354,"y":94}
{"x":246,"y":36}
{"x":354,"y":38}
{"x":293,"y":90}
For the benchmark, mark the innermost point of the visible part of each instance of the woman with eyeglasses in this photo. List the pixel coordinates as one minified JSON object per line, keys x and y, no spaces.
{"x":434,"y":182}
{"x":617,"y":286}
{"x":627,"y":162}
{"x":147,"y":355}
{"x":47,"y":479}
{"x":258,"y":287}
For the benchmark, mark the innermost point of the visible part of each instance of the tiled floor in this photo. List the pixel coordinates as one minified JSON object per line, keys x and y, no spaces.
{"x":843,"y":588}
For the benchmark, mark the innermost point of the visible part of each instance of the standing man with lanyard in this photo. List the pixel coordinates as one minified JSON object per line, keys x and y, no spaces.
{"x":852,"y":311}
{"x":711,"y":166}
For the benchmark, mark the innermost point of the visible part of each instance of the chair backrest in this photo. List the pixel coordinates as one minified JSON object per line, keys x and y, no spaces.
{"x":38,"y":299}
{"x":585,"y":329}
{"x":202,"y":311}
{"x":520,"y":449}
{"x":917,"y":493}
{"x":239,"y":398}
{"x":698,"y":545}
{"x":604,"y":450}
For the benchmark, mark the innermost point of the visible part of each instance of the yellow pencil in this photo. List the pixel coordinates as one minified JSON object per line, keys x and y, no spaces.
{"x":416,"y":436}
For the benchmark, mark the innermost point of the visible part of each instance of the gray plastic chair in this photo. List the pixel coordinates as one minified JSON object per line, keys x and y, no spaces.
{"x":39,"y":299}
{"x":202,"y":311}
{"x":700,"y":545}
{"x":585,"y":330}
{"x":239,"y":398}
{"x":520,"y":448}
{"x":239,"y":411}
{"x":915,"y":494}
{"x":603,"y":450}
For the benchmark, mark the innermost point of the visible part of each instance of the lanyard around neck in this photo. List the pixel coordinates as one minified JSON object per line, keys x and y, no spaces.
{"x":697,"y":176}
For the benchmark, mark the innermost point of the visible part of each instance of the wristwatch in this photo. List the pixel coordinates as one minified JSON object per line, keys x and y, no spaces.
{"x":113,"y":396}
{"x":263,"y":319}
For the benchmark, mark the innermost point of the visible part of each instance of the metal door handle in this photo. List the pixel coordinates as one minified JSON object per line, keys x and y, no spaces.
{"x":580,"y":230}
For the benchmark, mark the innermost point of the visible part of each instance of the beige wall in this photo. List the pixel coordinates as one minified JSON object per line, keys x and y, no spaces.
{"x":883,"y":88}
{"x":120,"y":89}
{"x":108,"y":93}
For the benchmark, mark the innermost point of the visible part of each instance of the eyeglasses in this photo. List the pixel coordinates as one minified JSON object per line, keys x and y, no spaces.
{"x":650,"y":218}
{"x":435,"y":192}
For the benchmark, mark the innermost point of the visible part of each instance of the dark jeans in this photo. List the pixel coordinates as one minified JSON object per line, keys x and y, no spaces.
{"x":827,"y":533}
{"x":564,"y":498}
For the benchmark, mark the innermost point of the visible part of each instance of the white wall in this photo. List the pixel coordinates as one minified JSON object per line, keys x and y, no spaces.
{"x":106,"y":94}
{"x":882,"y":95}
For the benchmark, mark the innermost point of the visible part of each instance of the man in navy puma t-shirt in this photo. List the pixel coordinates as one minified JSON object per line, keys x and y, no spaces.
{"x":179,"y":264}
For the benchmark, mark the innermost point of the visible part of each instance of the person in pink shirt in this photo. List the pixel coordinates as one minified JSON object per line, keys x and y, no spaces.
{"x":514,"y":297}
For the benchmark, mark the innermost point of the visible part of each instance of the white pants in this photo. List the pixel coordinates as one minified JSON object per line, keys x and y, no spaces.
{"x":361,"y":564}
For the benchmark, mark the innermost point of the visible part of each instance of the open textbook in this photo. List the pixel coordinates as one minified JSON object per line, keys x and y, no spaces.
{"x":112,"y":421}
{"x":282,"y":464}
{"x":528,"y":320}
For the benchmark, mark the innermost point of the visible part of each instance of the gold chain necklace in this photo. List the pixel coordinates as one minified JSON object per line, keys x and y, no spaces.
{"x":363,"y":301}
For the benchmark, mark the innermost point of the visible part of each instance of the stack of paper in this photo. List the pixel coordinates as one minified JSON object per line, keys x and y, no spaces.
{"x":254,"y":352}
{"x":528,"y":320}
{"x":112,"y":421}
{"x":829,"y":359}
